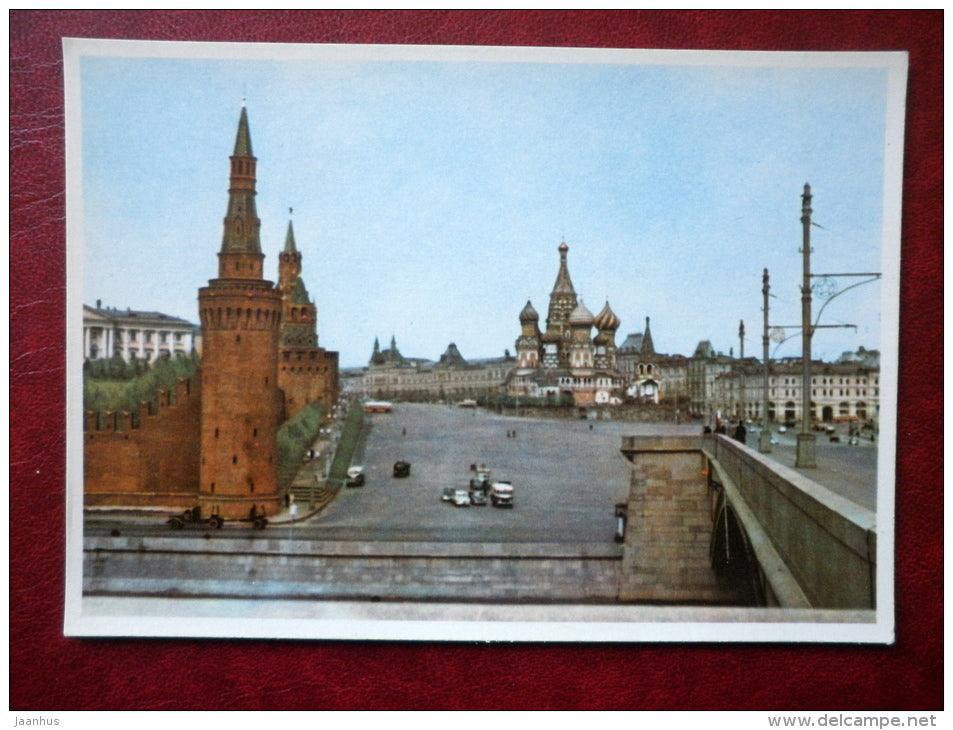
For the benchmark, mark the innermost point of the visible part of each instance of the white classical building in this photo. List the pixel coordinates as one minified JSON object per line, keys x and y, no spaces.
{"x":844,"y":391}
{"x":135,"y":335}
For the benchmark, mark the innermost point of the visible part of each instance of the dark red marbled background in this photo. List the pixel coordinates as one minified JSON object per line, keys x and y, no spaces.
{"x":50,"y":672}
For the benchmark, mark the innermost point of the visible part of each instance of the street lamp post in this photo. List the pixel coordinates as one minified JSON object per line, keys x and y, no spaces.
{"x":742,"y":407}
{"x":806,"y":445}
{"x":806,"y":442}
{"x":764,"y":438}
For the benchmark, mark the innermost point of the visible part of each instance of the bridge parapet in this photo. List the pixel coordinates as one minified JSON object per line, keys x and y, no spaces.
{"x":827,"y":542}
{"x":814,"y":548}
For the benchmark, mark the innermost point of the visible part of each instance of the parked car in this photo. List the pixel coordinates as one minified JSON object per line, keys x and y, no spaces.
{"x":401,"y":469}
{"x":461,"y":498}
{"x":478,"y":497}
{"x":447,"y":495}
{"x":481,"y":478}
{"x":355,"y":476}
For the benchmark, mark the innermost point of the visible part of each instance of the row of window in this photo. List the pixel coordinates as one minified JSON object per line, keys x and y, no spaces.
{"x":254,"y":433}
{"x":830,"y":381}
{"x":218,"y":317}
{"x":825,"y":392}
{"x":135,"y":354}
{"x":124,"y":335}
{"x":791,"y":409}
{"x":302,"y":314}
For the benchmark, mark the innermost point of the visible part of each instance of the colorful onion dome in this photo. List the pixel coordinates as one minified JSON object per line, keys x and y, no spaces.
{"x":607,"y":319}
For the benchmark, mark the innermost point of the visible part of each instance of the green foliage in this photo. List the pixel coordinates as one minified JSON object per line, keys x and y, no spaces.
{"x":350,"y":437}
{"x":295,"y":437}
{"x":115,"y":385}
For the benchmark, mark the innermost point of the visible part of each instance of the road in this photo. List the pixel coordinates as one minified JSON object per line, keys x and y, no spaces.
{"x":568,"y":475}
{"x":850,"y":471}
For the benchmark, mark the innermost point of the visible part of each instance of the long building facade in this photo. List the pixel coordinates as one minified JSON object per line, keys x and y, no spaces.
{"x":844,"y":391}
{"x":391,"y":375}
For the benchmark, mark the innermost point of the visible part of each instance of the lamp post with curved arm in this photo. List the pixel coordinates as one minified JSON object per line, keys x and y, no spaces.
{"x":806,"y":456}
{"x":806,"y":441}
{"x":764,"y":438}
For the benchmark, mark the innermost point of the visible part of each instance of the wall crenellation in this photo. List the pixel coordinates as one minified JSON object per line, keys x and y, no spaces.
{"x":124,"y":421}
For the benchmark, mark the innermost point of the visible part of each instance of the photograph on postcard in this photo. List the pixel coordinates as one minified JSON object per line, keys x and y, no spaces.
{"x":466,"y":343}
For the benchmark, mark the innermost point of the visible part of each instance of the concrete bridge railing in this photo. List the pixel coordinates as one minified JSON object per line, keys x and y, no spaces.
{"x":815,"y":548}
{"x":828,"y":542}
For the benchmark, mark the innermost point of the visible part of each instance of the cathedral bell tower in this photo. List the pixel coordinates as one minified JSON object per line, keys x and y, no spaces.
{"x":528,"y":343}
{"x":241,"y":318}
{"x":562,"y":303}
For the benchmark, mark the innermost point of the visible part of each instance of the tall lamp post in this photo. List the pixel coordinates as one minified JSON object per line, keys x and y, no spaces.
{"x":743,"y":397}
{"x":806,"y":442}
{"x":764,"y":438}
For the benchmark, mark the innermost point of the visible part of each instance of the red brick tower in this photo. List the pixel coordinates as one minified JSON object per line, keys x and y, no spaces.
{"x":241,"y":318}
{"x":307,"y":373}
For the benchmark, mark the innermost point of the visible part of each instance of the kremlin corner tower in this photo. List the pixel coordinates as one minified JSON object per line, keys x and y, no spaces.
{"x":241,"y":315}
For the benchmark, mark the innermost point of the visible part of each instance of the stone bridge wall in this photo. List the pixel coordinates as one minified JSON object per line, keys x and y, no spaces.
{"x":823,"y":542}
{"x":255,"y":566}
{"x":827,"y":542}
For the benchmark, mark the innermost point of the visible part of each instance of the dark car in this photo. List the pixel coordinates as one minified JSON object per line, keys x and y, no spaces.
{"x":401,"y":469}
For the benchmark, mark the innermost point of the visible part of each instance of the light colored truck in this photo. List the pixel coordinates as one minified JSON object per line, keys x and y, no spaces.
{"x":501,"y":494}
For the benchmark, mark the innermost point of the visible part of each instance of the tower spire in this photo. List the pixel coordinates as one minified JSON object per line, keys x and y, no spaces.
{"x":240,"y":256}
{"x":563,"y":283}
{"x":241,"y":404}
{"x":648,"y":347}
{"x":242,"y":137}
{"x":290,"y":246}
{"x":562,"y":302}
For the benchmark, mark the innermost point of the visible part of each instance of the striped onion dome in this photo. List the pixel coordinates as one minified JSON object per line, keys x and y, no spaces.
{"x":606,"y":319}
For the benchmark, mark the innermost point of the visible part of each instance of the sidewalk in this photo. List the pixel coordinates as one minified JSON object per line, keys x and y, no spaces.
{"x":310,"y":492}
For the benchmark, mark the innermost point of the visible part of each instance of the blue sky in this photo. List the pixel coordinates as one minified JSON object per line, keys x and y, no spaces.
{"x":430,"y":196}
